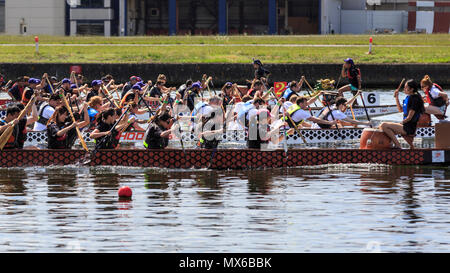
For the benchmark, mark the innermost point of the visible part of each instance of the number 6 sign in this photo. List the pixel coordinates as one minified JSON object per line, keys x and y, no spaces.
{"x":371,"y":98}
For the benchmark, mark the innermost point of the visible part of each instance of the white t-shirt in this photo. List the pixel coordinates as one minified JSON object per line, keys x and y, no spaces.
{"x":434,"y":92}
{"x":48,"y":112}
{"x":300,"y":115}
{"x":338,"y":115}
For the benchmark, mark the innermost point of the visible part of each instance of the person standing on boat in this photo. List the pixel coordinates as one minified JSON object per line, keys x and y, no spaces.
{"x":105,"y":136}
{"x":158,"y":132}
{"x":337,"y":113}
{"x":46,"y":112}
{"x":61,"y":133}
{"x":436,"y":98}
{"x":412,"y":108}
{"x":260,"y":72}
{"x":350,"y":71}
{"x":191,"y":94}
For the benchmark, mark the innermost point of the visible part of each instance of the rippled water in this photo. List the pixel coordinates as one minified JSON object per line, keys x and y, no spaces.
{"x":357,"y":208}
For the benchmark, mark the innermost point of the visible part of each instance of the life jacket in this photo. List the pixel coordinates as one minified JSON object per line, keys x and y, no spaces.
{"x":324,"y":114}
{"x":439,"y":101}
{"x":293,"y":109}
{"x":65,"y":141}
{"x":155,"y":141}
{"x":41,"y":119}
{"x":25,"y":100}
{"x":288,"y":93}
{"x":11,"y":143}
{"x":128,"y":97}
{"x":351,"y":79}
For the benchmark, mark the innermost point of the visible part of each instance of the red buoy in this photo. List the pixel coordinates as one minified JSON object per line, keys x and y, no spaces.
{"x":125,"y":191}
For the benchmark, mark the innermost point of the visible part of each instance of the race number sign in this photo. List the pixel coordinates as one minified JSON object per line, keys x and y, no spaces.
{"x":279,"y":88}
{"x":371,"y":98}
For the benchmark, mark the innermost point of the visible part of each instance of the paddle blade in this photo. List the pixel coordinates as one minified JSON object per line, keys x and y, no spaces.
{"x":83,"y":143}
{"x":5,"y":136}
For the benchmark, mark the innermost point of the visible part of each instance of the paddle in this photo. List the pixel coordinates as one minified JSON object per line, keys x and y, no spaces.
{"x":285,"y":137}
{"x":309,"y":94}
{"x":80,"y":137}
{"x":295,"y":126}
{"x":107,"y":95}
{"x":9,"y":130}
{"x":365,"y":109}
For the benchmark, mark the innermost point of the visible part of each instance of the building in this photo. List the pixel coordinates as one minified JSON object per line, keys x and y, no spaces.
{"x":194,"y":17}
{"x":2,"y":16}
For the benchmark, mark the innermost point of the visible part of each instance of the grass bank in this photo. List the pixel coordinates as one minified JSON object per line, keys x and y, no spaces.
{"x":402,"y":48}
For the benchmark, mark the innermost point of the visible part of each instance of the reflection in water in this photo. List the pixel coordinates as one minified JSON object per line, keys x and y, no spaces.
{"x":325,"y":208}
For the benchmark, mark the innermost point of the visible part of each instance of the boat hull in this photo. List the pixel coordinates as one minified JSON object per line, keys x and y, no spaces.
{"x":222,"y":158}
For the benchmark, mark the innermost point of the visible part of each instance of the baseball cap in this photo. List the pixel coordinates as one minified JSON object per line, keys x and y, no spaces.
{"x":65,"y":80}
{"x":96,"y":82}
{"x":136,"y":86}
{"x":196,"y":85}
{"x":349,"y":60}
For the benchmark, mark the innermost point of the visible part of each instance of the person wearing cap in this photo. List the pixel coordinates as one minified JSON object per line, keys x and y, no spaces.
{"x":131,"y":96}
{"x":29,"y":90}
{"x":65,"y":86}
{"x":95,"y":89}
{"x":350,"y":71}
{"x":191,"y":94}
{"x":158,"y":132}
{"x":129,"y":85}
{"x":260,"y":71}
{"x":46,"y":111}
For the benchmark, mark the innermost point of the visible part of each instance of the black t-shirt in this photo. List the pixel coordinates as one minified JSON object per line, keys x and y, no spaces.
{"x":65,"y":141}
{"x":126,"y":88}
{"x":111,"y":141}
{"x":16,"y":92}
{"x":155,"y":92}
{"x":153,"y":139}
{"x":191,"y":99}
{"x":261,"y":72}
{"x":22,"y":136}
{"x":91,"y":94}
{"x":415,"y":102}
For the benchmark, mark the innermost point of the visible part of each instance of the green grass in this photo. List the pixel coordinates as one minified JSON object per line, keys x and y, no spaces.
{"x":433,"y":48}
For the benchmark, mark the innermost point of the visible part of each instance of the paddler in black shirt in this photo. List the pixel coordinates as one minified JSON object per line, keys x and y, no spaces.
{"x":158,"y":132}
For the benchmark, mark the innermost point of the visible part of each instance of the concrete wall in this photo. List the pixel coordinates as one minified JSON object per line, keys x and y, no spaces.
{"x":373,"y":75}
{"x":40,"y":17}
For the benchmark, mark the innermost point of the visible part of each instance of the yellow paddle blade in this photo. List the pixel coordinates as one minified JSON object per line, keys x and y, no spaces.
{"x":83,"y":143}
{"x":5,"y":136}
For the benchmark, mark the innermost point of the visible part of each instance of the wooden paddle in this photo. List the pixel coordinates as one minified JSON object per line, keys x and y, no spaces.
{"x":80,"y":137}
{"x":9,"y":130}
{"x":365,"y":109}
{"x":109,"y":95}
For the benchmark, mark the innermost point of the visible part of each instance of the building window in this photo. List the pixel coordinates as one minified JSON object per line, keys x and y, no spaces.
{"x":90,"y":27}
{"x":91,"y":4}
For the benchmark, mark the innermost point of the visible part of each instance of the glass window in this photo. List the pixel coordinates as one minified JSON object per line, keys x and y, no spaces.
{"x":91,"y":4}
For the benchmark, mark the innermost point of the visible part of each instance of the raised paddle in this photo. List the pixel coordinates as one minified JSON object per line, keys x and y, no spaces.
{"x":309,"y":86}
{"x":10,"y":129}
{"x":80,"y":137}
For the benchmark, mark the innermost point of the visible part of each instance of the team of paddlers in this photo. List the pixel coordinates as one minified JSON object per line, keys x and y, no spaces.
{"x":63,"y":108}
